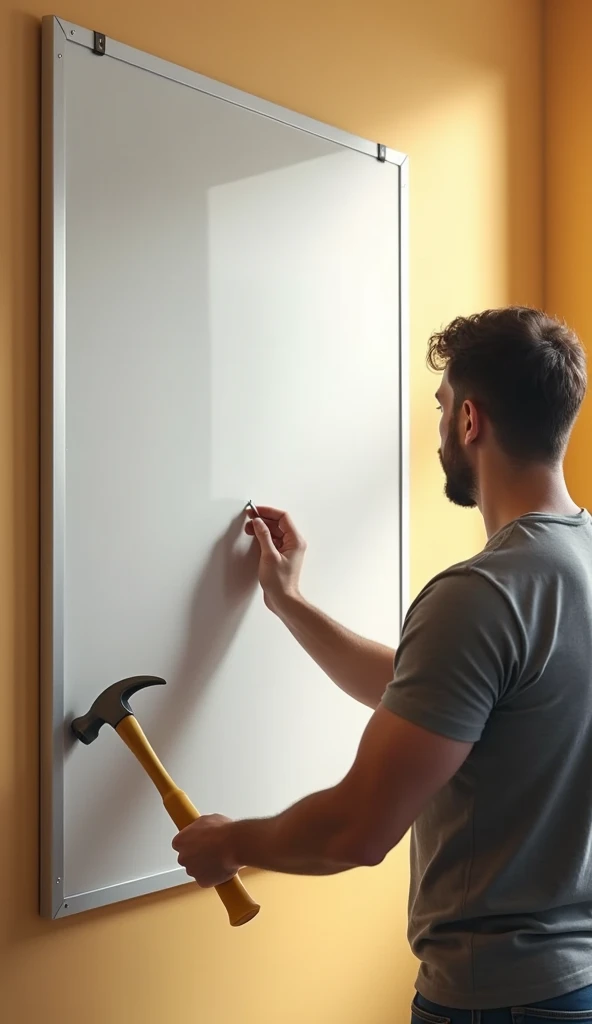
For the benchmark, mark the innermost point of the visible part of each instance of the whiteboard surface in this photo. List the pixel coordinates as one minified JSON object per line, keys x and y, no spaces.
{"x":232,"y":331}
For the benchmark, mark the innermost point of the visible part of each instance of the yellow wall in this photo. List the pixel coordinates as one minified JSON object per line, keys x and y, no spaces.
{"x":458,"y":86}
{"x":568,"y":245}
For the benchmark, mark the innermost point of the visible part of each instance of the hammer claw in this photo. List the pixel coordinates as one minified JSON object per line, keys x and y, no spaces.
{"x":111,"y":706}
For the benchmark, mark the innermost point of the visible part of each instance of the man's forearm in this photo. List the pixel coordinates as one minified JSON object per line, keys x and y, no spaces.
{"x":360,"y":667}
{"x":311,"y":838}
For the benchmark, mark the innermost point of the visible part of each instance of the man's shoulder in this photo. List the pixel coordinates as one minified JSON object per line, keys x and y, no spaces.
{"x":467,"y":588}
{"x":525,"y":556}
{"x":472,"y":571}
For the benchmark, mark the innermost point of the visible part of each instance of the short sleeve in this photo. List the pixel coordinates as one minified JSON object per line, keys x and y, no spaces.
{"x":458,"y":654}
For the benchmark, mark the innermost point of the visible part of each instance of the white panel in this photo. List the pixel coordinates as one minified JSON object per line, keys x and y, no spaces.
{"x":232,"y":312}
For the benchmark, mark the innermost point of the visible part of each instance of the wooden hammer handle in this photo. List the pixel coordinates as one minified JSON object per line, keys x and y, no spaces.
{"x":241,"y":908}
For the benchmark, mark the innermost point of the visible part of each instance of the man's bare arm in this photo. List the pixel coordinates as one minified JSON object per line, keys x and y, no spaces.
{"x":398,"y":769}
{"x":360,"y":667}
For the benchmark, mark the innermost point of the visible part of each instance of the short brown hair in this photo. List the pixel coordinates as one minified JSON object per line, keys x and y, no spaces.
{"x":526,"y":369}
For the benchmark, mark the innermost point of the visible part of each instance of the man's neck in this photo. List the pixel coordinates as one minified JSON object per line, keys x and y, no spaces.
{"x":509,"y":493}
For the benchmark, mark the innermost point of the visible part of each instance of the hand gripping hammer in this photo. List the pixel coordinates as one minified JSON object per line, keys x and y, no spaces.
{"x":112,"y":708}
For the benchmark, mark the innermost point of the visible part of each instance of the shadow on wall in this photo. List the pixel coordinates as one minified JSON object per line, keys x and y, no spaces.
{"x":492,"y":264}
{"x":473,"y":132}
{"x":19,"y":462}
{"x":221,"y":598}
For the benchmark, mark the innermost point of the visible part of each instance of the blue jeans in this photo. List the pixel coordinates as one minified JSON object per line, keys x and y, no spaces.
{"x":575,"y":1006}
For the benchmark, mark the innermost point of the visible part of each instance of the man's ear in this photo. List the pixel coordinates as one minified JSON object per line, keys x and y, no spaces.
{"x":471,"y":425}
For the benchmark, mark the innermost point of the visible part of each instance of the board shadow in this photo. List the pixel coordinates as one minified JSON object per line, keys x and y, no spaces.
{"x":221,"y":598}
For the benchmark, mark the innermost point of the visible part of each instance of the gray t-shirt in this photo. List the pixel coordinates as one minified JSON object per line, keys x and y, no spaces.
{"x":498,"y":651}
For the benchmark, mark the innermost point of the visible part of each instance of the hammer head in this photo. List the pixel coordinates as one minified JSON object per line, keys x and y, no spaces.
{"x":111,"y":706}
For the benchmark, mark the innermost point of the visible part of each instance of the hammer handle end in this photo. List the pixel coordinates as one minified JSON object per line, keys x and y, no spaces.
{"x":240,"y":907}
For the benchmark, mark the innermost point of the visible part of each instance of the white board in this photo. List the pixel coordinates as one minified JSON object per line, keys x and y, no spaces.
{"x":223,"y":320}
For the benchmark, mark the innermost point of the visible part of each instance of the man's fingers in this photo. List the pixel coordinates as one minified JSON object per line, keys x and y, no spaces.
{"x":271,"y":524}
{"x":264,"y":537}
{"x":278,"y":517}
{"x":277,"y":521}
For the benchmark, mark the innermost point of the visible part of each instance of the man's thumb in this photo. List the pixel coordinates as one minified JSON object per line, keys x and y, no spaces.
{"x":263,"y":536}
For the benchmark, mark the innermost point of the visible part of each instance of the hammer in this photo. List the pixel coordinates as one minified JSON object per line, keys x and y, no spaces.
{"x":112,"y":708}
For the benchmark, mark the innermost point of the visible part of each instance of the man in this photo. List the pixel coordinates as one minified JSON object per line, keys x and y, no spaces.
{"x":482,"y":742}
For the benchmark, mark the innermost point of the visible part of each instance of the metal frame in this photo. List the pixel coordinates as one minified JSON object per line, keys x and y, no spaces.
{"x":58,"y":36}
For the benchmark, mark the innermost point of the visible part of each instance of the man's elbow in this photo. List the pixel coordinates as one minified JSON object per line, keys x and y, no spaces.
{"x":360,"y":848}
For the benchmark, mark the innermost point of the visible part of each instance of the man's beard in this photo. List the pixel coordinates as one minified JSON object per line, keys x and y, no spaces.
{"x":461,"y":486}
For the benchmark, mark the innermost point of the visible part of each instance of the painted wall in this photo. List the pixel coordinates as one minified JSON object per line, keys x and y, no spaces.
{"x":456,"y":85}
{"x":568,"y":199}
